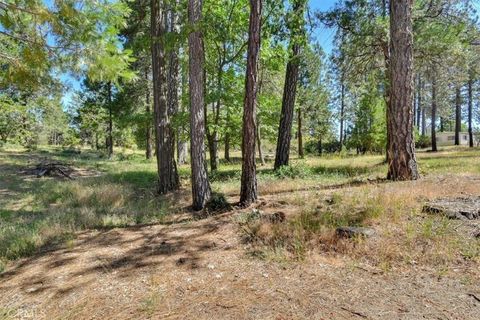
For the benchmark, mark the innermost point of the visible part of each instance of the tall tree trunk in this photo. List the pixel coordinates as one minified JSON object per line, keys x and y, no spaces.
{"x":110,"y":122}
{"x":200,"y":186}
{"x":182,"y":150}
{"x":167,"y":169}
{"x":424,"y":121}
{"x":415,"y":95}
{"x":470,"y":111}
{"x":214,"y":159}
{"x":173,"y":80}
{"x":213,"y":150}
{"x":342,"y":108}
{"x":248,"y":190}
{"x":259,"y":143}
{"x":227,"y":137}
{"x":212,"y":132}
{"x":258,"y":132}
{"x":442,"y":124}
{"x":458,"y":116}
{"x":227,"y":147}
{"x":289,"y":92}
{"x":386,"y":93}
{"x":148,"y":137}
{"x":299,"y":133}
{"x":419,"y":103}
{"x":434,"y":113}
{"x":182,"y":147}
{"x":402,"y":164}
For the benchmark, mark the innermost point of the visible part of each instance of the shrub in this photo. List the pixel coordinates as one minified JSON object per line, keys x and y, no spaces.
{"x":315,"y":147}
{"x":423,"y":142}
{"x":297,"y":170}
{"x":218,"y":203}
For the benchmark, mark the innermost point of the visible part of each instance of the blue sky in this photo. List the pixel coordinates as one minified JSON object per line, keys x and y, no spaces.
{"x":323,"y":35}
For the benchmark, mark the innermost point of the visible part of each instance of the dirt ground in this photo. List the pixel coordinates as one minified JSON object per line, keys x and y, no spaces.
{"x":200,"y":270}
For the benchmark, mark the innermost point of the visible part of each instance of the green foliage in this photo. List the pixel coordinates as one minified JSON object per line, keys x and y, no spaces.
{"x":298,"y":170}
{"x":423,"y":142}
{"x":218,"y":203}
{"x":39,"y":39}
{"x":369,"y":129}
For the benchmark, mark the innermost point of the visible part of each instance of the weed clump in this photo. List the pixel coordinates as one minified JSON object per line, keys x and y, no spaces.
{"x":218,"y":203}
{"x":313,"y":227}
{"x":295,"y":171}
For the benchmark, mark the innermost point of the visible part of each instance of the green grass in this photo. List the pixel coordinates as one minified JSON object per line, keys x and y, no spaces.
{"x":41,"y":212}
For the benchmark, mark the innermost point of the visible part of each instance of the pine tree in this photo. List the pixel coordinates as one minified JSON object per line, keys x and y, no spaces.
{"x":248,"y":192}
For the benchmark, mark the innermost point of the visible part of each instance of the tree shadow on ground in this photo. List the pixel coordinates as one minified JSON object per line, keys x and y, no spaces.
{"x":343,"y":170}
{"x":137,"y":179}
{"x":121,"y":253}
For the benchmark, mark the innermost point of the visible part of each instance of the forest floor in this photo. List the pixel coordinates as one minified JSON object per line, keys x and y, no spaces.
{"x":103,"y":246}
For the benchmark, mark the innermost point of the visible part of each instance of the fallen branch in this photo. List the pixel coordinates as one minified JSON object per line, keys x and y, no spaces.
{"x":473,"y":296}
{"x":48,"y":169}
{"x":354,"y":312}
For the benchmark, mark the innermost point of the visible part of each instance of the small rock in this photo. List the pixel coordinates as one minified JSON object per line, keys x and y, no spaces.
{"x":462,"y":208}
{"x":351,"y":232}
{"x":211,"y":266}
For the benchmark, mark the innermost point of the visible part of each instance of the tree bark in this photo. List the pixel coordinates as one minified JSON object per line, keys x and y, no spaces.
{"x":167,"y":169}
{"x":182,"y":146}
{"x":458,"y":116}
{"x":259,"y":143}
{"x":227,"y":137}
{"x":414,"y":110}
{"x":148,"y":137}
{"x":419,"y":104}
{"x":342,"y":108}
{"x":213,"y":150}
{"x":470,"y":111}
{"x":402,"y":164}
{"x":289,"y":93}
{"x":200,"y":185}
{"x":227,"y":146}
{"x":299,"y":133}
{"x":424,"y":121}
{"x":173,"y":79}
{"x":110,"y":122}
{"x":434,"y":113}
{"x":248,"y":190}
{"x":319,"y":147}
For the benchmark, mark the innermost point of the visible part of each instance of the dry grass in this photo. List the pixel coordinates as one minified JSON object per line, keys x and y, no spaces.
{"x":406,"y":236}
{"x":237,"y":265}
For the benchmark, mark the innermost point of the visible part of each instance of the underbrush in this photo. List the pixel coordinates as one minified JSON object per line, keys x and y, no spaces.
{"x":313,"y":227}
{"x":71,"y":206}
{"x":404,"y":235}
{"x":38,"y":213}
{"x":41,"y":212}
{"x":101,"y":203}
